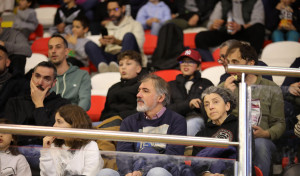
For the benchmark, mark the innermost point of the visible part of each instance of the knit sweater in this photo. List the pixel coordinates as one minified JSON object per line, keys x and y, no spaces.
{"x":13,"y":165}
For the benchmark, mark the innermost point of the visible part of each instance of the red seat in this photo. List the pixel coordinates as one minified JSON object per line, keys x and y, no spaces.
{"x":150,"y":44}
{"x":205,"y":65}
{"x":167,"y":75}
{"x":40,"y":46}
{"x":97,"y":105}
{"x":189,"y":40}
{"x":50,"y":5}
{"x":216,"y":54}
{"x":258,"y":171}
{"x":38,"y":33}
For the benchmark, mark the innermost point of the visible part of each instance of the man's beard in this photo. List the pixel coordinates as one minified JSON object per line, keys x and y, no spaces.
{"x":118,"y":19}
{"x":144,"y":107}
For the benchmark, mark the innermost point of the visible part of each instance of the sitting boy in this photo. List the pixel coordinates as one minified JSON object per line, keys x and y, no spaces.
{"x":187,"y":89}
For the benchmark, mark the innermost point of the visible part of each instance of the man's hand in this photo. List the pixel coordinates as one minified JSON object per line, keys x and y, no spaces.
{"x":217,"y":24}
{"x":193,"y":20}
{"x":195,"y":103}
{"x":110,"y":39}
{"x":294,"y":89}
{"x":2,"y":43}
{"x":234,"y":27}
{"x":152,"y":20}
{"x":211,"y":174}
{"x":61,"y":27}
{"x":135,"y":173}
{"x":38,"y":95}
{"x":280,"y":6}
{"x":229,"y":83}
{"x":71,"y":38}
{"x":260,"y":133}
{"x":47,"y":141}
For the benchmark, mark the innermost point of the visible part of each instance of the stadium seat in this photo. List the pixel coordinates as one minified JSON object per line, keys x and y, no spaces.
{"x":38,"y":33}
{"x":189,"y":40}
{"x":213,"y":74}
{"x":150,"y":44}
{"x":40,"y":46}
{"x":97,"y":105}
{"x":32,"y":61}
{"x":280,"y":54}
{"x":45,"y":16}
{"x":167,"y":75}
{"x":101,"y":82}
{"x":258,"y":171}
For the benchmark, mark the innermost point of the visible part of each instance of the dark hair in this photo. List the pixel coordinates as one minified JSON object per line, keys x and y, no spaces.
{"x":77,"y":118}
{"x":160,"y":85}
{"x":248,"y":53}
{"x":120,"y":2}
{"x":133,"y":55}
{"x":13,"y":149}
{"x":60,"y":36}
{"x":47,"y":64}
{"x":83,"y":20}
{"x":2,"y":48}
{"x":226,"y":95}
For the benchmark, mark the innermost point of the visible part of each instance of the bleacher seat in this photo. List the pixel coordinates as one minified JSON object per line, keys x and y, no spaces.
{"x":97,"y":105}
{"x":101,"y":82}
{"x":32,"y":61}
{"x":167,"y":75}
{"x":45,"y":15}
{"x":40,"y":46}
{"x":38,"y":33}
{"x":213,"y":74}
{"x":150,"y":44}
{"x":280,"y":54}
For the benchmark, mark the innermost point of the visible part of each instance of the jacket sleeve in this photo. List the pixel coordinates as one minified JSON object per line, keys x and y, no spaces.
{"x":93,"y":161}
{"x":178,"y":128}
{"x":258,"y":13}
{"x":85,"y":92}
{"x":28,"y":21}
{"x":18,"y":45}
{"x":216,"y":14}
{"x":166,"y":14}
{"x":142,"y":17}
{"x":23,"y":167}
{"x":276,"y":119}
{"x":47,"y":165}
{"x":125,"y":161}
{"x":197,"y":149}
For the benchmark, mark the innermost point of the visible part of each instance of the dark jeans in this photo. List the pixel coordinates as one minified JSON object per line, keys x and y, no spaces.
{"x":254,"y":35}
{"x":97,"y":54}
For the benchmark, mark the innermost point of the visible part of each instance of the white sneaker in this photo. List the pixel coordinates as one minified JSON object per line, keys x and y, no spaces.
{"x":113,"y":67}
{"x":102,"y":67}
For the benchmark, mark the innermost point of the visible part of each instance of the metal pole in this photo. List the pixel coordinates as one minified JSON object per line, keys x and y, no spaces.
{"x":244,"y":160}
{"x":113,"y":135}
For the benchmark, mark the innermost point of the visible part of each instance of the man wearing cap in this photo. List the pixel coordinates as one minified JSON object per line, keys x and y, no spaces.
{"x":186,"y":90}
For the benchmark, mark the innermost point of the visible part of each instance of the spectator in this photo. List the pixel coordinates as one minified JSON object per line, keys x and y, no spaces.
{"x":72,"y":83}
{"x":268,"y":121}
{"x":245,"y":21}
{"x":77,"y":41}
{"x":25,"y":20}
{"x":123,"y":33}
{"x":222,"y":60}
{"x":87,"y":6}
{"x":153,"y":15}
{"x":121,"y":97}
{"x":64,"y":17}
{"x":17,"y":46}
{"x":57,"y":157}
{"x":100,"y":19}
{"x":218,"y":104}
{"x":36,"y":109}
{"x":288,"y":25}
{"x":11,"y":161}
{"x":11,"y":85}
{"x":191,"y":13}
{"x":187,"y":89}
{"x":152,"y":97}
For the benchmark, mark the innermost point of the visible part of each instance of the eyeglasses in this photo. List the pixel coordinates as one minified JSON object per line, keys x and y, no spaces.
{"x":114,"y":9}
{"x":187,"y":62}
{"x":222,"y":59}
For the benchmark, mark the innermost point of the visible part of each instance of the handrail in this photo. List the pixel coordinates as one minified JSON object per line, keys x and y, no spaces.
{"x":264,"y":70}
{"x":113,"y":135}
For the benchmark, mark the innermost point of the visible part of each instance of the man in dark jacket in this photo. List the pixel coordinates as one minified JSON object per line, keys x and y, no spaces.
{"x":186,"y":90}
{"x":11,"y":85}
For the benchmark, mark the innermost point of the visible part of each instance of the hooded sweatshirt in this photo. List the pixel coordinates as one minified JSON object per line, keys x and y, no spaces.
{"x":75,"y":85}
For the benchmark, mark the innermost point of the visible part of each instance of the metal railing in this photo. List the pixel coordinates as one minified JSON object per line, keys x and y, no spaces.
{"x":244,"y":164}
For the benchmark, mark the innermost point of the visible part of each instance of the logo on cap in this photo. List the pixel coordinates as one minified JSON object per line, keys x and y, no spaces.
{"x":188,"y":52}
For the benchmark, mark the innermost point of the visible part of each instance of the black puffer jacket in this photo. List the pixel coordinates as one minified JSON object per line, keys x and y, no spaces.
{"x":180,"y":99}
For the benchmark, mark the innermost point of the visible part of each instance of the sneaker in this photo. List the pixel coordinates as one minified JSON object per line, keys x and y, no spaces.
{"x":102,"y":67}
{"x":113,"y":67}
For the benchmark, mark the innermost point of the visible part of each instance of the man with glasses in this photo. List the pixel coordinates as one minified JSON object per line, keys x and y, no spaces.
{"x":266,"y":104}
{"x":123,"y":33}
{"x":222,"y":60}
{"x":186,"y":90}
